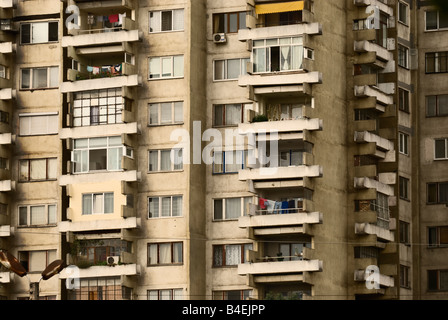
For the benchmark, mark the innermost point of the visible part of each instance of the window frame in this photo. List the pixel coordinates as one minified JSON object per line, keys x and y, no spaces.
{"x":404,"y":100}
{"x":437,"y":232}
{"x":159,"y":106}
{"x":437,"y":60}
{"x":437,"y":98}
{"x":158,"y":244}
{"x":49,"y":115}
{"x":160,"y":206}
{"x":242,"y":258}
{"x":243,"y":68}
{"x":32,"y":70}
{"x":404,"y":184}
{"x":159,"y":30}
{"x":403,"y":56}
{"x":405,"y":276}
{"x":31,"y":32}
{"x":224,"y":107}
{"x":172,"y":295}
{"x":405,"y":236}
{"x":446,"y":149}
{"x":403,"y":143}
{"x":172,"y":66}
{"x":438,"y":276}
{"x":436,"y":186}
{"x":241,"y":18}
{"x":438,"y":21}
{"x":47,"y":169}
{"x":28,"y":215}
{"x":402,"y":5}
{"x":244,"y":156}
{"x":159,"y":162}
{"x":243,"y":211}
{"x":93,"y":194}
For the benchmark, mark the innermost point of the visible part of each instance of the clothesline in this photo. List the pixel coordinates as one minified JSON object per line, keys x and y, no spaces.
{"x":271,"y":206}
{"x":113,"y":69}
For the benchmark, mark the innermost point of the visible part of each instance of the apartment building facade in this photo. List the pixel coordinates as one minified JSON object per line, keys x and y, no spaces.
{"x":245,"y":149}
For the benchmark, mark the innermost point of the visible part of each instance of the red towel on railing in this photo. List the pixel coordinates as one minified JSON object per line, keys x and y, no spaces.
{"x":262,"y":203}
{"x":113,"y":18}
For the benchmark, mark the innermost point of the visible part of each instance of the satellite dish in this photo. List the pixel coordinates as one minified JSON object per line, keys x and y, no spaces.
{"x":53,"y":268}
{"x":11,"y":263}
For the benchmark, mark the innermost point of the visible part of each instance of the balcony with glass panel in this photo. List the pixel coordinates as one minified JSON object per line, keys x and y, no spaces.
{"x":280,"y":61}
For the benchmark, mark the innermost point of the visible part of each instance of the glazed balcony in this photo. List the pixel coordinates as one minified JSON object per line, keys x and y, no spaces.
{"x":384,"y":5}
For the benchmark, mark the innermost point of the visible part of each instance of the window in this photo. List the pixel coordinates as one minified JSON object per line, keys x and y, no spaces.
{"x":39,"y":78}
{"x":232,"y":295}
{"x":230,"y":208}
{"x":229,"y":22}
{"x":403,"y":56}
{"x":403,"y":143}
{"x":38,"y":169}
{"x":36,"y":261}
{"x":404,"y":188}
{"x":404,"y":232}
{"x":435,"y":20}
{"x":98,"y":154}
{"x":33,"y":124}
{"x":167,"y":20}
{"x":228,"y":114}
{"x":403,"y":100}
{"x":165,"y":113}
{"x":169,"y":206}
{"x":437,"y":106}
{"x":437,"y":192}
{"x":437,"y":62}
{"x":165,"y":160}
{"x":97,"y":107}
{"x":39,"y":32}
{"x":405,"y":276}
{"x":96,"y":251}
{"x":103,"y":288}
{"x":229,"y":161}
{"x":97,"y":203}
{"x":438,"y":237}
{"x":229,"y":69}
{"x":165,"y":253}
{"x":437,"y":280}
{"x":230,"y":254}
{"x":165,"y":294}
{"x":4,"y":117}
{"x":441,"y":149}
{"x":4,"y":72}
{"x":166,"y":67}
{"x":34,"y":215}
{"x":272,"y":55}
{"x":3,"y":209}
{"x":403,"y":13}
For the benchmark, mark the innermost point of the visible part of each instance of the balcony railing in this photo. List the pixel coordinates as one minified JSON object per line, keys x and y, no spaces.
{"x":282,"y":207}
{"x":101,"y":72}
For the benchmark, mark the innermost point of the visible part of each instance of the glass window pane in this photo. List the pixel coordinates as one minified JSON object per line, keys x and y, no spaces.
{"x":153,"y":161}
{"x":167,"y":65}
{"x":233,"y":208}
{"x":24,"y":170}
{"x":154,"y":21}
{"x":167,"y":20}
{"x":165,"y":253}
{"x":233,"y":22}
{"x":440,"y":149}
{"x":97,"y":142}
{"x":153,"y":254}
{"x":431,"y":106}
{"x":431,"y":20}
{"x":52,"y":168}
{"x":38,"y":169}
{"x":178,"y":112}
{"x":166,"y":206}
{"x":219,"y":70}
{"x":39,"y":32}
{"x":219,"y":115}
{"x":53,"y":31}
{"x":40,"y":78}
{"x":177,"y":159}
{"x":52,"y":218}
{"x":177,"y":252}
{"x":165,"y":160}
{"x":432,"y":193}
{"x":178,"y":19}
{"x":217,"y":209}
{"x":108,"y":202}
{"x":442,"y":105}
{"x":233,"y":114}
{"x":154,"y":68}
{"x":177,"y":206}
{"x":98,"y":159}
{"x":443,"y":192}
{"x":25,"y":30}
{"x":54,"y":77}
{"x":37,"y":261}
{"x":23,"y":216}
{"x":233,"y":255}
{"x":114,"y":157}
{"x":178,"y":66}
{"x":154,"y":113}
{"x":98,"y":203}
{"x":26,"y":79}
{"x":37,"y":215}
{"x":153,"y":207}
{"x":165,"y":113}
{"x":233,"y":68}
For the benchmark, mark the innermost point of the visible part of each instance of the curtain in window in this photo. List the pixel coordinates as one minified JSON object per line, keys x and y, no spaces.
{"x":39,"y":32}
{"x":108,"y":202}
{"x":177,"y":252}
{"x":23,"y":216}
{"x":178,"y":64}
{"x":178,"y":19}
{"x":152,"y":254}
{"x":165,"y":253}
{"x":39,"y":124}
{"x":166,"y":206}
{"x":153,"y":161}
{"x":177,"y":206}
{"x":218,"y":256}
{"x":98,"y":203}
{"x":37,"y":261}
{"x":155,"y":21}
{"x":153,"y":207}
{"x":165,"y":160}
{"x":52,"y":218}
{"x":259,"y":60}
{"x":114,"y":158}
{"x":233,"y":255}
{"x":165,"y":114}
{"x":233,"y":114}
{"x":40,"y":78}
{"x":177,"y":159}
{"x":37,"y":214}
{"x":233,"y":208}
{"x":154,"y":68}
{"x":285,"y":58}
{"x":297,"y":57}
{"x":38,"y":169}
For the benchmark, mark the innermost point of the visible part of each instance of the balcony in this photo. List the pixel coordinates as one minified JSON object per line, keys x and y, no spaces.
{"x":291,"y":30}
{"x":96,"y":225}
{"x":280,"y":173}
{"x":380,"y":52}
{"x":370,"y":91}
{"x":279,"y":267}
{"x":103,"y":271}
{"x":284,"y":126}
{"x":280,"y":78}
{"x":102,"y":37}
{"x":382,"y":5}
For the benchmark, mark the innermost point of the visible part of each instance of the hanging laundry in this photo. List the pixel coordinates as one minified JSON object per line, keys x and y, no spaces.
{"x":285,"y":206}
{"x":270,"y":206}
{"x":292,"y":204}
{"x":96,"y":70}
{"x":277,"y":207}
{"x":262,"y":203}
{"x":118,"y":68}
{"x":89,"y":68}
{"x":121,"y":17}
{"x":113,"y":18}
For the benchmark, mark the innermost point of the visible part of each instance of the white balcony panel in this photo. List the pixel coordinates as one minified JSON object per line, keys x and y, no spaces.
{"x":7,"y":47}
{"x":280,"y":31}
{"x":6,"y":138}
{"x":128,"y":223}
{"x":368,"y":91}
{"x":103,"y":38}
{"x":7,"y":3}
{"x":367,"y":228}
{"x":367,"y":46}
{"x":5,"y":231}
{"x":381,"y":143}
{"x":386,"y":281}
{"x":128,"y":176}
{"x":279,"y":267}
{"x":281,"y":126}
{"x":274,"y":79}
{"x":5,"y":277}
{"x":7,"y":185}
{"x":98,"y":131}
{"x":272,"y":220}
{"x":103,"y":271}
{"x":377,"y":3}
{"x":7,"y":94}
{"x":368,"y":183}
{"x":101,"y":83}
{"x":280,"y":173}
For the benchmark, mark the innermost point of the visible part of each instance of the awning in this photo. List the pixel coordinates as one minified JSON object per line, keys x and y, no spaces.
{"x":279,"y":7}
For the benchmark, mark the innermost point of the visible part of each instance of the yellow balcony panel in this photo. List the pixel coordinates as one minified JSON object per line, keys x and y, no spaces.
{"x":279,"y":267}
{"x":279,"y":7}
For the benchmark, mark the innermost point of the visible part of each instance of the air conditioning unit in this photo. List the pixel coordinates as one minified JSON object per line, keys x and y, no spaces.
{"x":219,"y":38}
{"x":112,"y":260}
